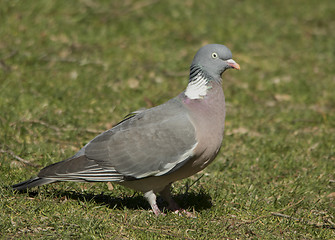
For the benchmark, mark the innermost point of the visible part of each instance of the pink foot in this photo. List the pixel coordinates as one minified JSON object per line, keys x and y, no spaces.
{"x":183,"y":212}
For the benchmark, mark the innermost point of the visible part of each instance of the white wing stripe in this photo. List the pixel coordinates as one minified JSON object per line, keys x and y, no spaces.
{"x":168,"y":167}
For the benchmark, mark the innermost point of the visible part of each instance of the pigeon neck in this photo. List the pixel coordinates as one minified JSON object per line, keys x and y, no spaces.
{"x":199,"y":83}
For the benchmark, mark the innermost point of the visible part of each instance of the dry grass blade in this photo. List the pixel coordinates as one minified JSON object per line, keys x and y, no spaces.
{"x":314,"y":224}
{"x":264,"y":216}
{"x":58,"y":129}
{"x":20,"y":159}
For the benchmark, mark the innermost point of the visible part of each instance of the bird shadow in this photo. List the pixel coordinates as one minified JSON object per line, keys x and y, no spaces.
{"x":189,"y":200}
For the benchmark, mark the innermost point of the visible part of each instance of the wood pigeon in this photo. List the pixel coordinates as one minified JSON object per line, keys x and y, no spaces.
{"x":152,"y":148}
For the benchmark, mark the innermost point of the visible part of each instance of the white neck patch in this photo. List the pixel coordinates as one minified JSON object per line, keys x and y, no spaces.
{"x":197,"y":88}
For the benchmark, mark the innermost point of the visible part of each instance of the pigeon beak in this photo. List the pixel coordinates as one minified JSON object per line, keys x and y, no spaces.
{"x":233,"y":64}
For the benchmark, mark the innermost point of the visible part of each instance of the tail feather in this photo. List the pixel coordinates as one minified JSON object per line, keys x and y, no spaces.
{"x":75,"y":169}
{"x":33,"y":182}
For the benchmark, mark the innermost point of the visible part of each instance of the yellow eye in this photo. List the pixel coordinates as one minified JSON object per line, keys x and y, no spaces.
{"x":214,"y":55}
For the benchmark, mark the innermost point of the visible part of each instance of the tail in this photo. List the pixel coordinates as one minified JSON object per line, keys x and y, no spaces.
{"x":33,"y":182}
{"x":75,"y":169}
{"x":45,"y":176}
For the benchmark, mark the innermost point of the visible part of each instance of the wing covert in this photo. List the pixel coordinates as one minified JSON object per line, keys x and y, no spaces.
{"x":151,"y":143}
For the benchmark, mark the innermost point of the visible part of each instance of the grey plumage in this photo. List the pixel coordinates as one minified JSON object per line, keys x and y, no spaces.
{"x":152,"y":148}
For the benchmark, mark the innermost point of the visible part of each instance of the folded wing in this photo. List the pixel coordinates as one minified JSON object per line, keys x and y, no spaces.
{"x":153,"y":142}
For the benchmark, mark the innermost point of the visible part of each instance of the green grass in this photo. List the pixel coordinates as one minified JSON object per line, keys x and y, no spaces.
{"x":69,"y":70}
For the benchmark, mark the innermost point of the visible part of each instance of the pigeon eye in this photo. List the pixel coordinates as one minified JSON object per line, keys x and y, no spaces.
{"x":214,"y":55}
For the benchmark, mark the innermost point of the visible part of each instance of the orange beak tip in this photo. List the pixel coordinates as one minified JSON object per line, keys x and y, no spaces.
{"x":233,"y":64}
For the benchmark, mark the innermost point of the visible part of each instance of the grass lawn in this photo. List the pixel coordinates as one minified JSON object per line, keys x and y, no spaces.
{"x":72,"y":69}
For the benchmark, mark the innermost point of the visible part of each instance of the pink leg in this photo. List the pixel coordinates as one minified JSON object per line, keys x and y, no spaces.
{"x":151,"y":197}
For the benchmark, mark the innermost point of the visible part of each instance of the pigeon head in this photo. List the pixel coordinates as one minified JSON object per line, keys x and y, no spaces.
{"x":214,"y":59}
{"x":208,"y":65}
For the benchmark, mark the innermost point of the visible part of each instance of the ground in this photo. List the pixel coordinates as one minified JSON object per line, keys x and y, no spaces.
{"x":72,"y":69}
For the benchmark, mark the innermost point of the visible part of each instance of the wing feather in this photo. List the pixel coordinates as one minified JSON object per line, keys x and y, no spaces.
{"x":151,"y":143}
